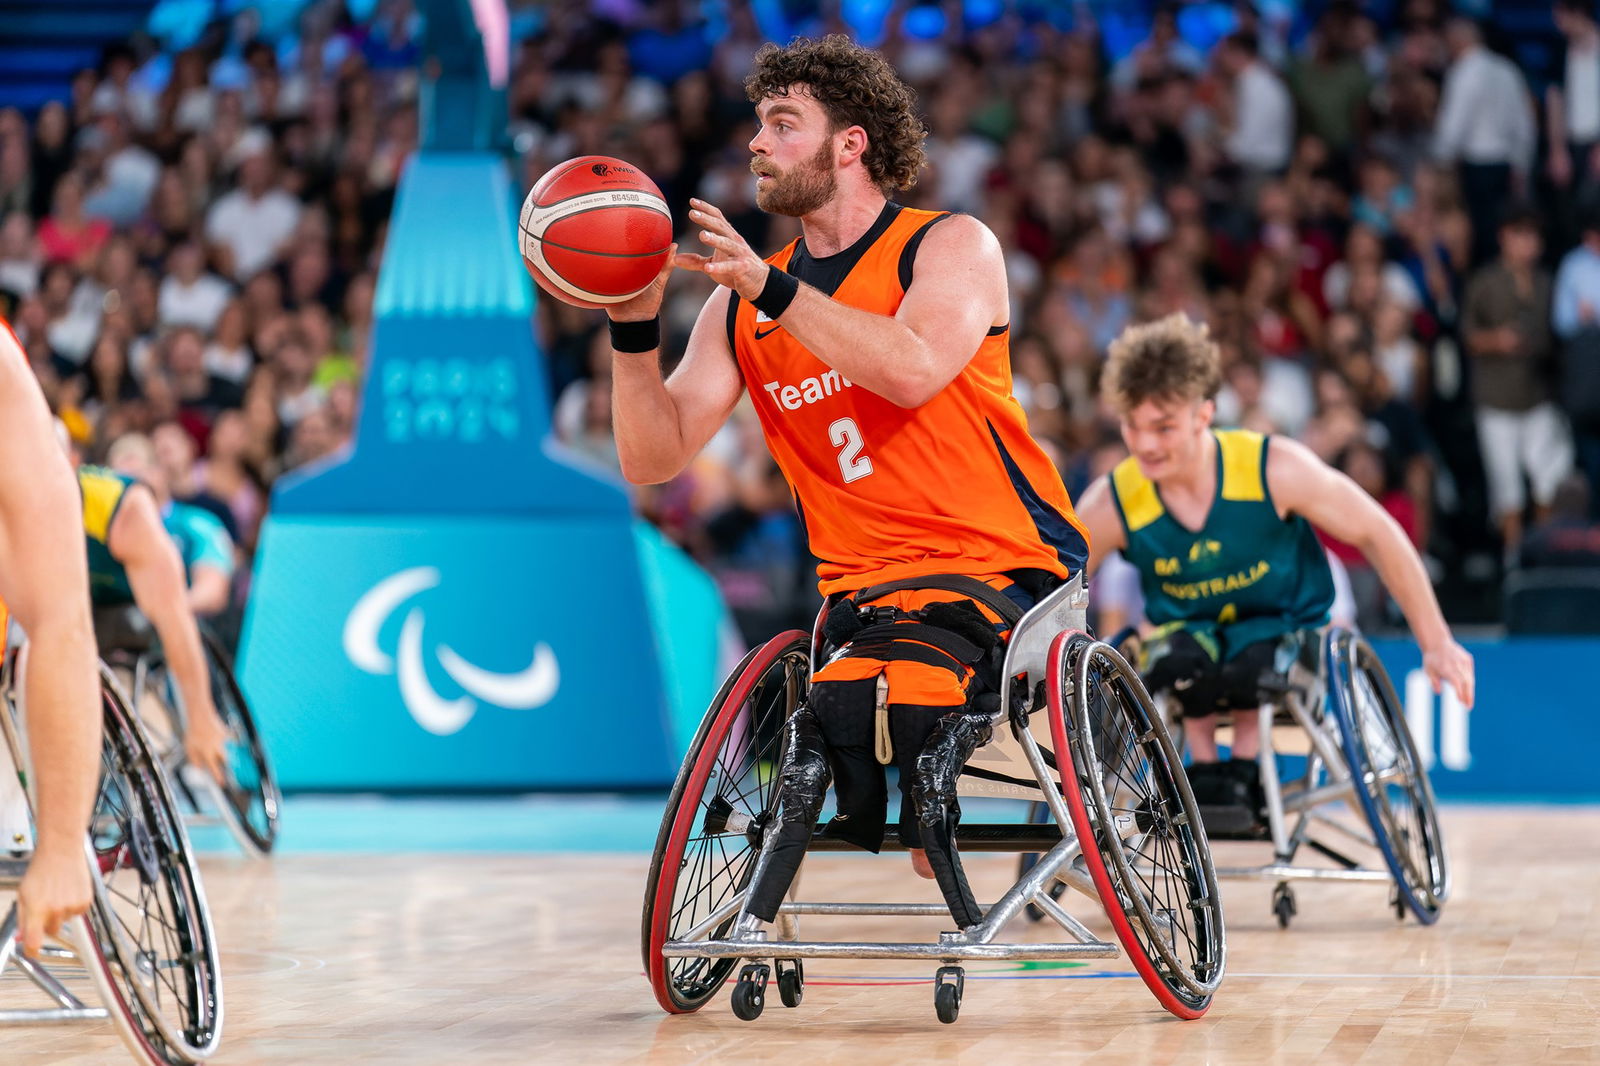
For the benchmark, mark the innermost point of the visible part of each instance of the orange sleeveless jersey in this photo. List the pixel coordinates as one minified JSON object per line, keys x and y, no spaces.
{"x":954,"y":486}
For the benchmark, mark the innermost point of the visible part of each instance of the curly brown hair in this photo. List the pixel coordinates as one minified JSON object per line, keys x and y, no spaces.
{"x":856,"y":87}
{"x":1172,"y":358}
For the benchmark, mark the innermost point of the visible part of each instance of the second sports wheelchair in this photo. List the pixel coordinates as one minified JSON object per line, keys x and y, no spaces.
{"x":248,"y":803}
{"x":1341,"y":777}
{"x":145,"y":949}
{"x":1076,"y":730}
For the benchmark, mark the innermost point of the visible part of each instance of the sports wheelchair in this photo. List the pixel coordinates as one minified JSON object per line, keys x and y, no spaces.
{"x":145,"y":948}
{"x":1081,"y":735}
{"x":1359,"y":795}
{"x":249,"y":803}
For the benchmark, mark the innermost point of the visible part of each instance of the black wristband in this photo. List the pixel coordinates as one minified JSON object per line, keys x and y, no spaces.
{"x":634,"y":338}
{"x":777,"y":294}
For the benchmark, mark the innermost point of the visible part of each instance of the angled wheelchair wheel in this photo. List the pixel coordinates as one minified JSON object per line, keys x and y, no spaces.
{"x":250,"y":800}
{"x":87,"y":937}
{"x":1390,"y":782}
{"x":1130,"y":802}
{"x":711,"y":832}
{"x":151,"y":913}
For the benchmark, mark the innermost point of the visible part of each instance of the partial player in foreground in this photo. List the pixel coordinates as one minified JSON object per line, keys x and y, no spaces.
{"x":44,"y":582}
{"x":1220,"y":526}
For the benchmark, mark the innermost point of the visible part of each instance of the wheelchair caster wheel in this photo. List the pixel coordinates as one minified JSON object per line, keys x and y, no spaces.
{"x":750,"y":993}
{"x":791,"y":982}
{"x":948,"y":984}
{"x":1283,"y":905}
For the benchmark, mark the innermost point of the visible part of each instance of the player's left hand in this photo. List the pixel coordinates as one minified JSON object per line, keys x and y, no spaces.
{"x":205,"y":743}
{"x":1450,"y":664}
{"x":54,"y":890}
{"x":732,"y":261}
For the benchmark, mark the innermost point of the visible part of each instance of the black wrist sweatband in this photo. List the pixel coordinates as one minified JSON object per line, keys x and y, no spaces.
{"x":634,"y":338}
{"x":777,"y":294}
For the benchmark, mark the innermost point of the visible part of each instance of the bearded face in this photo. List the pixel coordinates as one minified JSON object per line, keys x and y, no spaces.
{"x":799,"y":190}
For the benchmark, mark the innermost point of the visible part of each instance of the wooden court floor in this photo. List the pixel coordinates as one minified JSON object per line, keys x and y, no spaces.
{"x":439,"y":960}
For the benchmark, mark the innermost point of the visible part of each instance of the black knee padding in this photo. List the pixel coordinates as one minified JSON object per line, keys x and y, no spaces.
{"x":803,"y":779}
{"x":802,"y":783}
{"x":1183,"y":668}
{"x":954,"y":739}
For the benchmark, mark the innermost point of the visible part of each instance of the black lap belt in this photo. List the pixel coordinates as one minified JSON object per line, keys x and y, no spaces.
{"x":890,"y":641}
{"x":989,"y":596}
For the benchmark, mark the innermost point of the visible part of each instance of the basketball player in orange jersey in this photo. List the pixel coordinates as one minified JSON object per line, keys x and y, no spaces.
{"x":875,"y":349}
{"x":44,"y":581}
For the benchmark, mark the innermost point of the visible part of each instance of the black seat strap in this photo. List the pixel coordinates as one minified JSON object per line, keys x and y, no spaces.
{"x":998,"y":602}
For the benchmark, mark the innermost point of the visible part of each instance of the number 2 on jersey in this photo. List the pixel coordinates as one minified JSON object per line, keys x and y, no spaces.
{"x":846,"y":436}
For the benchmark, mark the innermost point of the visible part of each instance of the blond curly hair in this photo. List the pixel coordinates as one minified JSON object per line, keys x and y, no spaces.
{"x":1172,"y":358}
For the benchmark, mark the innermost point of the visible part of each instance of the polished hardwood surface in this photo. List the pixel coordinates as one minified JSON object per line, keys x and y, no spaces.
{"x":446,"y":959}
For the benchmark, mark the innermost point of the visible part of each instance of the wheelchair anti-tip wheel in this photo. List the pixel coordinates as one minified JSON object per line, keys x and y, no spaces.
{"x":726,"y":791}
{"x":1388,"y":776}
{"x":151,"y":914}
{"x":1132,"y":809}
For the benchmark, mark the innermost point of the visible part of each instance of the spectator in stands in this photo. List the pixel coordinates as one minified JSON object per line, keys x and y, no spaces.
{"x":189,"y":294}
{"x":1258,"y":111}
{"x":1568,"y":536}
{"x":1506,"y":328}
{"x":250,"y":227}
{"x":1576,"y":319}
{"x":1572,"y":99}
{"x":1487,"y":127}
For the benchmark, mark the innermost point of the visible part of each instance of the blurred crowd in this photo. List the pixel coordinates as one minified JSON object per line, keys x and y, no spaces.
{"x":189,"y":246}
{"x":1349,"y":204}
{"x":1392,"y":230}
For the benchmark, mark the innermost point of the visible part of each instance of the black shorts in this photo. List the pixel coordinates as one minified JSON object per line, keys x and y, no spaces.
{"x":1190,"y":669}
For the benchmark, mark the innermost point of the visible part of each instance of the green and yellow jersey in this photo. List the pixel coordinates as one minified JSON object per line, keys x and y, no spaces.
{"x":1247,"y":569}
{"x":201,"y":537}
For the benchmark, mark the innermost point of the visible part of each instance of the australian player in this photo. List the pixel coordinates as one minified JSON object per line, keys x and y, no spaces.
{"x":44,"y":581}
{"x":1219,"y":524}
{"x":875,"y":351}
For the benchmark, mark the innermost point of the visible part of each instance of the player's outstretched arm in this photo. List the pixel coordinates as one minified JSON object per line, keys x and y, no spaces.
{"x":661,"y":425}
{"x":1302,"y":484}
{"x":142,"y":545}
{"x":44,"y":580}
{"x":957,"y":294}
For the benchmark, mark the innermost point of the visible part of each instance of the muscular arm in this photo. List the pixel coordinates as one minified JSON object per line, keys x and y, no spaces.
{"x":1302,"y":484}
{"x":1098,"y":513}
{"x":957,"y":293}
{"x":661,"y":425}
{"x":142,"y":545}
{"x":44,"y":580}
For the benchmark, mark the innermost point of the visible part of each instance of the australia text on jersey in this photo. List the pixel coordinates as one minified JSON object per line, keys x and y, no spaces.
{"x":809,"y":391}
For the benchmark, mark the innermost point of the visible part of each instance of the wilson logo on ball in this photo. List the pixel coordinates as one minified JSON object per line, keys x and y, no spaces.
{"x":594,"y":231}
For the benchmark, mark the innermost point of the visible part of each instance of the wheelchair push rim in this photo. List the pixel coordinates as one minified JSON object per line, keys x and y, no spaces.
{"x":1162,"y":898}
{"x":87,"y":936}
{"x":156,"y":928}
{"x":729,"y":779}
{"x":1387,"y":775}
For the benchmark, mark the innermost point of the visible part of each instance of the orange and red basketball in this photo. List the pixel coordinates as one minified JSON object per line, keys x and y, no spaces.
{"x":595,"y":231}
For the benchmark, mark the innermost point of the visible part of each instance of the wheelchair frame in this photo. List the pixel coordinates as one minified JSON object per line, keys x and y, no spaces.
{"x":1048,"y":663}
{"x":119,"y":973}
{"x":1312,"y":702}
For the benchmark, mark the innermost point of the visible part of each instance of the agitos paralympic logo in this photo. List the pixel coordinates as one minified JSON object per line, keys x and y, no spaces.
{"x":520,"y":691}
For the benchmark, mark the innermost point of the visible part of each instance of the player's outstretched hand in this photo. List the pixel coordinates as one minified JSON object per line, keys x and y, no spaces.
{"x":732,"y":261}
{"x":55,"y":889}
{"x":646,"y":305}
{"x":1450,"y":665}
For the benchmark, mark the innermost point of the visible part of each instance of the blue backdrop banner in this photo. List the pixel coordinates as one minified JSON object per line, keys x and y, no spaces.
{"x":457,"y":653}
{"x":1534,"y":732}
